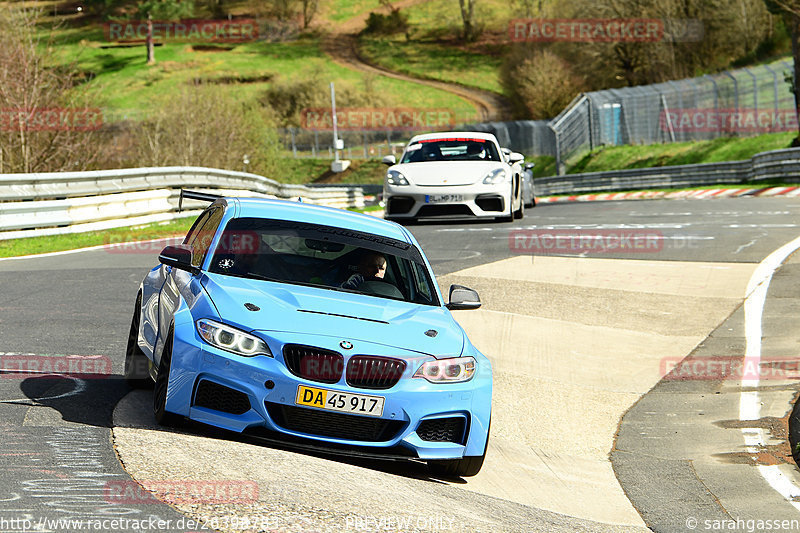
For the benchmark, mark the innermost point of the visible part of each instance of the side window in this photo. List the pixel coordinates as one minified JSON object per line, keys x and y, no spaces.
{"x":201,"y":242}
{"x":421,"y":279}
{"x":192,"y":235}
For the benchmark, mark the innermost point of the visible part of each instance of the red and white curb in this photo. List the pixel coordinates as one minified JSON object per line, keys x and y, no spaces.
{"x":697,"y":194}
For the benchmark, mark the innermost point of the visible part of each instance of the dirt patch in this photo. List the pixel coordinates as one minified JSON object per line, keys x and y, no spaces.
{"x":239,"y":80}
{"x":769,"y":455}
{"x":210,"y":48}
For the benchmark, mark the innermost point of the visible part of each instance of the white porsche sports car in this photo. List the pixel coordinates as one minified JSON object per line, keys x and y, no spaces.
{"x":455,"y":174}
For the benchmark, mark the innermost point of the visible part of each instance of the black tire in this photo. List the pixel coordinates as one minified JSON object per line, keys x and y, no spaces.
{"x":467,"y":467}
{"x":533,"y":202}
{"x":520,"y":213}
{"x":164,"y":417}
{"x":137,"y":364}
{"x":794,"y":432}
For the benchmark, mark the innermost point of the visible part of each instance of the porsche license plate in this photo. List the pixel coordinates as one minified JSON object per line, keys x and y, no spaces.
{"x":346,"y":402}
{"x":443,"y":198}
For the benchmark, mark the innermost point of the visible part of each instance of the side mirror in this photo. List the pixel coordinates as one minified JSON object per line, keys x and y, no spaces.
{"x":389,"y":160}
{"x":529,"y":166}
{"x":179,"y":257}
{"x":463,"y":298}
{"x":515,"y":157}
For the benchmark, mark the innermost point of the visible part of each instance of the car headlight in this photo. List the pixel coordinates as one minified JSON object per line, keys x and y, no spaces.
{"x":495,"y":176}
{"x":394,"y":177}
{"x":456,"y":370}
{"x":231,"y":339}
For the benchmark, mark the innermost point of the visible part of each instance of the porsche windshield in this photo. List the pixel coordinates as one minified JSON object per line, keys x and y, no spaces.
{"x":323,"y":256}
{"x":451,"y":149}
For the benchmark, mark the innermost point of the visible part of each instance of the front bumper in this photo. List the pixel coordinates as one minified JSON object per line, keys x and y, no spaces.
{"x":414,"y":409}
{"x":478,"y":200}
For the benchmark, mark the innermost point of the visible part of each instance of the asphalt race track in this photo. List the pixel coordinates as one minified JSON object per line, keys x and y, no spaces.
{"x":587,"y":435}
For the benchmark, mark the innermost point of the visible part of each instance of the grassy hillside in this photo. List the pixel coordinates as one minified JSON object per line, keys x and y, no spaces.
{"x":659,"y":155}
{"x":123,"y":81}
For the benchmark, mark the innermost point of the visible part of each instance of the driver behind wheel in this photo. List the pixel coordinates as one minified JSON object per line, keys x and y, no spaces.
{"x":371,"y":267}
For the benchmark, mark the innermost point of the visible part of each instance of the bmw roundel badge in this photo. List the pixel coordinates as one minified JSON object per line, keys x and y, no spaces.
{"x":347,"y":345}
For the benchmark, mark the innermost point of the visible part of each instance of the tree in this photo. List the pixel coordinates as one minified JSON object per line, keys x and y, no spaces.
{"x":206,"y":126}
{"x":309,"y":10}
{"x":790,"y":10}
{"x":530,"y":7}
{"x":162,"y":10}
{"x":46,"y":123}
{"x":542,"y":83}
{"x":469,"y":29}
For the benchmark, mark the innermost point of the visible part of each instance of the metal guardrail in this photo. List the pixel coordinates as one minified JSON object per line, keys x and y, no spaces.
{"x":71,"y":202}
{"x":778,"y":165}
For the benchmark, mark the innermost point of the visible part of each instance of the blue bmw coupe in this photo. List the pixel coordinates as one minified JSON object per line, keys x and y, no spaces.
{"x":312,"y":325}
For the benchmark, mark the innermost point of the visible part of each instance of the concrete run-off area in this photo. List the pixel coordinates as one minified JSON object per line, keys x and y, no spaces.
{"x":574,"y":343}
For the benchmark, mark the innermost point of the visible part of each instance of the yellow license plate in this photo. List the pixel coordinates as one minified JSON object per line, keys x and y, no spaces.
{"x":346,"y":402}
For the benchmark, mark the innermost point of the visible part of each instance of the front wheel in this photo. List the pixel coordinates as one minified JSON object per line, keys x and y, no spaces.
{"x":519,"y":213}
{"x":137,"y":364}
{"x":464,"y":467}
{"x":164,"y":417}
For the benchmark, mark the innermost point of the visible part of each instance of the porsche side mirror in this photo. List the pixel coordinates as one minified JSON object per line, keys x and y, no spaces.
{"x":529,"y":166}
{"x":463,"y":298}
{"x":389,"y":160}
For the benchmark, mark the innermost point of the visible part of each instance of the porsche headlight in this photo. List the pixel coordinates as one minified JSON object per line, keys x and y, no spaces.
{"x":495,"y":176}
{"x":394,"y":177}
{"x":456,"y":370}
{"x":231,"y":339}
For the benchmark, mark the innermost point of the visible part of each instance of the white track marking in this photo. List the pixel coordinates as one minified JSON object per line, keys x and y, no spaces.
{"x":79,"y":387}
{"x":750,"y":401}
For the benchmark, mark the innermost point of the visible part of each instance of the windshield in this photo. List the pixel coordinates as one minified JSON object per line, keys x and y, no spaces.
{"x":451,"y":149}
{"x":323,"y":256}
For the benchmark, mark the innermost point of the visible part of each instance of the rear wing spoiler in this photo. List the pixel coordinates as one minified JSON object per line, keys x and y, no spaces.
{"x":195,"y":195}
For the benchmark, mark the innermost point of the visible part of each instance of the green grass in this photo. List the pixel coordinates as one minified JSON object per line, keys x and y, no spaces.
{"x":545,"y":165}
{"x":435,"y":60}
{"x":442,"y":17}
{"x":342,"y":10}
{"x":124,"y":84}
{"x":317,"y":170}
{"x":659,"y":155}
{"x":57,"y":243}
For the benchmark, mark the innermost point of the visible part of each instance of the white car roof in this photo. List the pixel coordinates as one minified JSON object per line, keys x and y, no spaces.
{"x":453,"y":134}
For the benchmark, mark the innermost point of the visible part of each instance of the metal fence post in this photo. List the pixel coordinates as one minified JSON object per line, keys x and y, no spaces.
{"x":716,"y":100}
{"x":559,"y":162}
